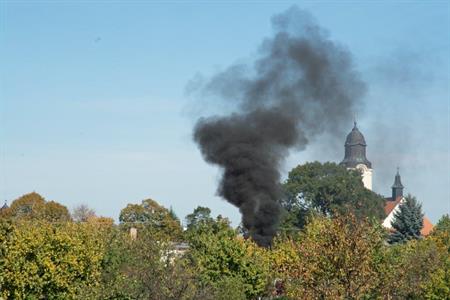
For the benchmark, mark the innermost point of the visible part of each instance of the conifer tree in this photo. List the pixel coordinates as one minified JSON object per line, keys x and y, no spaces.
{"x":408,"y":221}
{"x":443,"y":225}
{"x":173,"y":215}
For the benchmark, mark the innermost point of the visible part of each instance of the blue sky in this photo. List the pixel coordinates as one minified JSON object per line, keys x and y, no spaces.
{"x":94,"y":110}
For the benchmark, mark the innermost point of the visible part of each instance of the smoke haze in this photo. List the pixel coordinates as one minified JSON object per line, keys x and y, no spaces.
{"x":300,"y":85}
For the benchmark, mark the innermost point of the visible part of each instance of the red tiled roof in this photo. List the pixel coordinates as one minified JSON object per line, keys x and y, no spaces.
{"x":427,"y":227}
{"x":390,"y":205}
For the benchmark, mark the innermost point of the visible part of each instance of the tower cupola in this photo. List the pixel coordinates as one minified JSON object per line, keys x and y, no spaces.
{"x":355,"y":150}
{"x":397,"y":187}
{"x":355,"y":156}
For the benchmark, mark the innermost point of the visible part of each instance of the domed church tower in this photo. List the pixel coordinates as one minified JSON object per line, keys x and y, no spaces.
{"x":355,"y":156}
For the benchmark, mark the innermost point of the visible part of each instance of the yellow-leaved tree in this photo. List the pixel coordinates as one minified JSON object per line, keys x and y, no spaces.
{"x":44,"y":260}
{"x":334,"y":258}
{"x":33,"y":206}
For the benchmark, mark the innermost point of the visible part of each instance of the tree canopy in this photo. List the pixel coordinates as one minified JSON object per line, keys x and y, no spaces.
{"x":153,"y":216}
{"x":326,"y":189}
{"x":82,"y":213}
{"x":33,"y":206}
{"x":337,"y":255}
{"x":200,"y":215}
{"x":443,"y":225}
{"x":221,"y":258}
{"x":44,"y":260}
{"x":332,"y":259}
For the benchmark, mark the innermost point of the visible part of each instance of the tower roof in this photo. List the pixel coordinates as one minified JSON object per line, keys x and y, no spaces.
{"x":355,"y":150}
{"x":397,"y":182}
{"x":355,"y":137}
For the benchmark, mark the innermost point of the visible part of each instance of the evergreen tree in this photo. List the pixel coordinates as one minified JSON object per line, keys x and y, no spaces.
{"x":408,"y":221}
{"x":173,"y":215}
{"x":443,"y":225}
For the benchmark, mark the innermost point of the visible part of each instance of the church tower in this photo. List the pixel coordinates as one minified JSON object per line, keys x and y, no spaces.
{"x":397,"y":187}
{"x":355,"y":156}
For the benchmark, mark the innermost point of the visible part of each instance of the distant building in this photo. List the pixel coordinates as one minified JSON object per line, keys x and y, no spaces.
{"x":393,"y":203}
{"x":355,"y":158}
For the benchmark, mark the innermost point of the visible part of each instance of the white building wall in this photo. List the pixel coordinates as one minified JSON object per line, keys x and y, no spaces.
{"x":387,"y":222}
{"x":367,"y":178}
{"x":366,"y":175}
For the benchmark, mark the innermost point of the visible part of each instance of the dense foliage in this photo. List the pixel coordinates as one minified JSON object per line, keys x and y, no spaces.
{"x":337,"y":254}
{"x":42,"y":260}
{"x":199,"y":217}
{"x":332,"y":259}
{"x":326,"y":189}
{"x":33,"y":206}
{"x":220,"y":257}
{"x":149,"y":215}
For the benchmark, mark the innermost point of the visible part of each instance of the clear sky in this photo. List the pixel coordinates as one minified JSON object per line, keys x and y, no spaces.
{"x":94,"y":110}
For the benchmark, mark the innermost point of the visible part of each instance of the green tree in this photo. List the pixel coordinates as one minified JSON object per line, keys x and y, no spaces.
{"x":200,"y":216}
{"x":443,"y":225}
{"x":326,"y":189}
{"x":229,"y":288}
{"x":407,"y":222}
{"x":222,"y":259}
{"x":438,"y":287}
{"x":413,"y":269}
{"x":173,"y":215}
{"x":200,"y":222}
{"x":33,"y":206}
{"x":144,"y":268}
{"x":150,"y":215}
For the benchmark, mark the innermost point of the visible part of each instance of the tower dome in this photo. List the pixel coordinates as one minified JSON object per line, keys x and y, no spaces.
{"x":355,"y":150}
{"x":355,"y":137}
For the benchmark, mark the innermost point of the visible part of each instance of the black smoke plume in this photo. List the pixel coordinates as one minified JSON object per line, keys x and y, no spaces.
{"x":300,"y":85}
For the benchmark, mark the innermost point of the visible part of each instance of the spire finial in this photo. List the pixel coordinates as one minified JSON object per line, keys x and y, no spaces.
{"x":354,"y":120}
{"x":398,"y":170}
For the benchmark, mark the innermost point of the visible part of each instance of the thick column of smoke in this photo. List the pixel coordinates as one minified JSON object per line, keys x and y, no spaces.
{"x":301,"y":84}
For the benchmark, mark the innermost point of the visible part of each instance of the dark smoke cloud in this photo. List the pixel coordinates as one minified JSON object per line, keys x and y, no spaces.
{"x":301,"y":84}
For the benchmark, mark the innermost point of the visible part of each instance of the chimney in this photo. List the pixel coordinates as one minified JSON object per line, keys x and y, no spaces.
{"x":397,"y":187}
